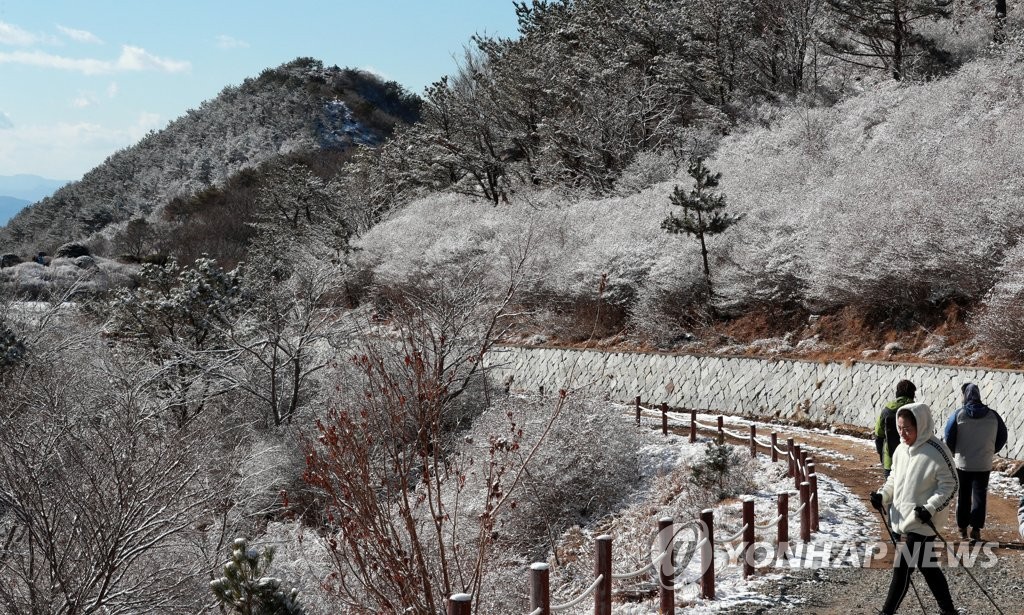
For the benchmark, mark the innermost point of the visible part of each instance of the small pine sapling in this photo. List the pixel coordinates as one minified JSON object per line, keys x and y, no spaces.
{"x":244,"y":589}
{"x":702,"y":215}
{"x":718,"y":472}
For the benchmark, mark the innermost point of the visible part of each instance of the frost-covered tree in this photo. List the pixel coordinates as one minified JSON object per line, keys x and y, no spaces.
{"x":284,"y":333}
{"x":701,"y":215}
{"x":580,"y":472}
{"x":98,"y":501}
{"x":137,"y":240}
{"x":381,"y":460}
{"x":176,"y":319}
{"x":881,"y":34}
{"x":999,"y":325}
{"x":783,"y":53}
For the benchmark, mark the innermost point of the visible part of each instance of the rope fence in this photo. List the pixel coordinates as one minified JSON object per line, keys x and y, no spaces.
{"x":663,"y":565}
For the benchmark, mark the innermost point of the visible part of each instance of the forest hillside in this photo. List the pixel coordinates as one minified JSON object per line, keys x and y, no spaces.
{"x":263,"y":330}
{"x":893,"y":217}
{"x":299,"y":108}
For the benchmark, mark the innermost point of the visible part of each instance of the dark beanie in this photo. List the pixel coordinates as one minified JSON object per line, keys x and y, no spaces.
{"x":905,"y":388}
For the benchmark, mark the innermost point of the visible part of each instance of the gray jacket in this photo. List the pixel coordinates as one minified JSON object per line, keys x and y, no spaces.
{"x":975,"y":433}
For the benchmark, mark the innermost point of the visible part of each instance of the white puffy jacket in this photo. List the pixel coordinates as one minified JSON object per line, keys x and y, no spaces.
{"x":923,"y":474}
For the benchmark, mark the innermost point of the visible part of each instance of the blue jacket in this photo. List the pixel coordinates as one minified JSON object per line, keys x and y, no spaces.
{"x":975,"y":432}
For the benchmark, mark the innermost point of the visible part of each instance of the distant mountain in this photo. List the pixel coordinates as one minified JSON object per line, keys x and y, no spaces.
{"x":299,"y":108}
{"x":29,"y":188}
{"x":10,"y":206}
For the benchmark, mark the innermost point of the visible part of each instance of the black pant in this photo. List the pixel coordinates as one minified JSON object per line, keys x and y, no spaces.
{"x":917,"y":552}
{"x":972,"y":499}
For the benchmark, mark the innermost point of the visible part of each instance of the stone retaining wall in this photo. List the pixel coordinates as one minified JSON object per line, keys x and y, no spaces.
{"x":851,"y":393}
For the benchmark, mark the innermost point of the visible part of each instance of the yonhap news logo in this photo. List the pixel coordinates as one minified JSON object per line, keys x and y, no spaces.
{"x":691,"y":555}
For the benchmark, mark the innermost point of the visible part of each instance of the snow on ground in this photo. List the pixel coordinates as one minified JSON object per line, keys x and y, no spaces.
{"x":1002,"y":484}
{"x":847,"y":535}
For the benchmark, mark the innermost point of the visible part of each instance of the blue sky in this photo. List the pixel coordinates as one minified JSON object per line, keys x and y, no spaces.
{"x":81,"y":79}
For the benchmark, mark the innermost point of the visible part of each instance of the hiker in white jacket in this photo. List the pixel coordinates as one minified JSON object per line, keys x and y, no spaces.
{"x":920,"y":489}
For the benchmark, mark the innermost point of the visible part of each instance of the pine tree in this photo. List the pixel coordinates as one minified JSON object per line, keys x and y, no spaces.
{"x":246,"y":591}
{"x":880,"y":33}
{"x":701,"y":210}
{"x":12,"y":349}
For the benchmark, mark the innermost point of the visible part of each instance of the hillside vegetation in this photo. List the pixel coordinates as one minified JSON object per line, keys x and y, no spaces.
{"x":899,"y":209}
{"x":267,"y":324}
{"x":300,"y":108}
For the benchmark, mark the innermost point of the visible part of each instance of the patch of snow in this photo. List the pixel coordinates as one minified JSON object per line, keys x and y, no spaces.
{"x":848,"y":530}
{"x":340,"y":127}
{"x":772,"y":345}
{"x":813,"y":344}
{"x":1005,"y":485}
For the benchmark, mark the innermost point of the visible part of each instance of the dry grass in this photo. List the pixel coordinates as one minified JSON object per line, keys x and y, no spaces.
{"x":850,"y":335}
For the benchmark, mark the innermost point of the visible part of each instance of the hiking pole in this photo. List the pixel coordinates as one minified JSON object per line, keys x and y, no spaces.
{"x":963,"y":567}
{"x":896,"y":546}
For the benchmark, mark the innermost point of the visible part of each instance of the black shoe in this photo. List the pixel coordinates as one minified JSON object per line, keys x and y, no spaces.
{"x":975,"y":535}
{"x":963,"y":533}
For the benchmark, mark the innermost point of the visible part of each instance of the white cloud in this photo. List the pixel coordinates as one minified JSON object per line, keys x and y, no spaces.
{"x":62,"y":150}
{"x":137,"y":58}
{"x":13,"y":35}
{"x":131,"y":59}
{"x":82,"y":101}
{"x":145,"y":122}
{"x":229,"y":42}
{"x":80,"y":36}
{"x":87,"y":66}
{"x":5,"y":121}
{"x":112,"y":90}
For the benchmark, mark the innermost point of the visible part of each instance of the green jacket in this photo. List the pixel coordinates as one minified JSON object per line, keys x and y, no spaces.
{"x":886,"y":436}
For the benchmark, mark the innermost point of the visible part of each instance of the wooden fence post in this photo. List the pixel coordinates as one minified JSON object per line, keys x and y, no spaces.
{"x":812,"y":478}
{"x":775,"y":445}
{"x":540,"y":588}
{"x":460,"y":604}
{"x":603,"y":567}
{"x":782,"y":536}
{"x":753,"y":442}
{"x":805,"y":511}
{"x":798,"y":472}
{"x":707,"y":555}
{"x":721,"y":430}
{"x":693,"y":426}
{"x":748,"y":537}
{"x":789,"y":455}
{"x":637,"y":401}
{"x":666,"y":570}
{"x":664,"y":419}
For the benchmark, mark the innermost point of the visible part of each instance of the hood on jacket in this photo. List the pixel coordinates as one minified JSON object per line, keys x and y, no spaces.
{"x":925,"y":425}
{"x":972,"y":401}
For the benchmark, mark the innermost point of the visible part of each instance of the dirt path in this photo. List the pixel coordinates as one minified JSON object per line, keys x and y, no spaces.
{"x":863,"y":475}
{"x":844,"y":591}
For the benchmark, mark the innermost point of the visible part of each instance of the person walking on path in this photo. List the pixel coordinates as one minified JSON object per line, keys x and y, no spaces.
{"x":974,"y":433}
{"x":918,"y":493}
{"x":886,"y":436}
